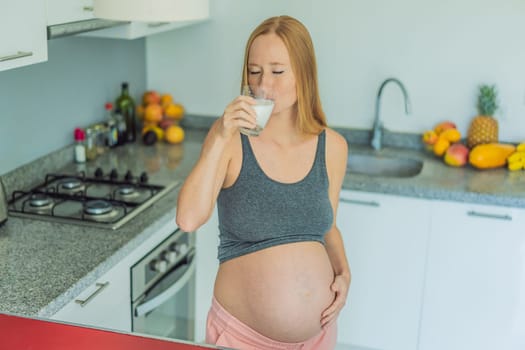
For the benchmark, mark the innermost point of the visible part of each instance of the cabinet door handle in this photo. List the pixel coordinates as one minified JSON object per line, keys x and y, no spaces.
{"x":100,"y":286}
{"x":157,"y":24}
{"x":19,"y":54}
{"x":88,"y":8}
{"x":355,"y":201}
{"x":489,"y":216}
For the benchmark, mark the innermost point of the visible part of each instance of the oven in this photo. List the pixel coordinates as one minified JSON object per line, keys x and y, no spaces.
{"x":163,"y":289}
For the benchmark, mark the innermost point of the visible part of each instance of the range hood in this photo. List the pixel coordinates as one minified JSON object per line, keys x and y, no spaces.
{"x":72,"y":28}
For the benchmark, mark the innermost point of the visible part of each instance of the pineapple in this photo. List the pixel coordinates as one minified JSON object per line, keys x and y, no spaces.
{"x":484,"y":127}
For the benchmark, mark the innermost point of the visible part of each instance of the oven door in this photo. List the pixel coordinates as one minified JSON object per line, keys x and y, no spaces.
{"x":167,"y":309}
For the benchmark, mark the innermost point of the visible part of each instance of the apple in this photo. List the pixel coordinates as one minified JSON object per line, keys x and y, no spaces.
{"x":439,"y":128}
{"x":457,"y":155}
{"x":151,"y":97}
{"x":166,"y":123}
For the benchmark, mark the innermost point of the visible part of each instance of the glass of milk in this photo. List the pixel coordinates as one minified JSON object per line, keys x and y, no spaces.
{"x":263,"y":108}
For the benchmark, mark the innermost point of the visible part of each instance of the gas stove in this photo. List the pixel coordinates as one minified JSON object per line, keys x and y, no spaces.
{"x":102,"y":200}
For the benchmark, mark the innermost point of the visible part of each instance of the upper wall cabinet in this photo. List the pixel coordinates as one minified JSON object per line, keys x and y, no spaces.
{"x":65,"y":11}
{"x":143,"y":24}
{"x":136,"y":30}
{"x":23,"y":39}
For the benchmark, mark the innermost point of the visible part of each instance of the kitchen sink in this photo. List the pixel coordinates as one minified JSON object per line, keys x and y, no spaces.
{"x":382,"y":165}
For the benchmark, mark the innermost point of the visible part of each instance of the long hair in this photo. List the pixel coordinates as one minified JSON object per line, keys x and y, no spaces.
{"x":310,"y":115}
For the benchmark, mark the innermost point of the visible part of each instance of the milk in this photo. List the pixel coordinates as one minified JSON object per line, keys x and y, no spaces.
{"x":263,"y":109}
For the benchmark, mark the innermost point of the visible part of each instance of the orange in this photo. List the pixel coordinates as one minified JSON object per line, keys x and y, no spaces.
{"x":174,"y":111}
{"x":166,"y":99}
{"x":153,"y":113}
{"x":174,"y":134}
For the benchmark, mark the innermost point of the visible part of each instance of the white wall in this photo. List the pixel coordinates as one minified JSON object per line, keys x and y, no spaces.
{"x":441,"y":49}
{"x":41,"y":104}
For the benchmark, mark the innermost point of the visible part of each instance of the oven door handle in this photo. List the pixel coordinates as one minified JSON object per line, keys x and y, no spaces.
{"x":152,"y":304}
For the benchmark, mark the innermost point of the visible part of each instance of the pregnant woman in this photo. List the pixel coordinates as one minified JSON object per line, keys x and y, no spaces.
{"x":283,"y":275}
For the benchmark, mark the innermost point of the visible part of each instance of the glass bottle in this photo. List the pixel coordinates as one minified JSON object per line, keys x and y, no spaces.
{"x":125,"y":105}
{"x":91,"y":150}
{"x":112,"y":128}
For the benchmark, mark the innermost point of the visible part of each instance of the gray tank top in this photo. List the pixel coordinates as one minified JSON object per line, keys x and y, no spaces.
{"x":257,"y":212}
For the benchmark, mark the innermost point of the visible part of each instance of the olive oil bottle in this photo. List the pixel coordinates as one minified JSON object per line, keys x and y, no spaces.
{"x":125,"y":106}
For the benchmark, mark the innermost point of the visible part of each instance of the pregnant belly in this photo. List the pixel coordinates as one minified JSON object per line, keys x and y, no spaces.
{"x":280,"y":291}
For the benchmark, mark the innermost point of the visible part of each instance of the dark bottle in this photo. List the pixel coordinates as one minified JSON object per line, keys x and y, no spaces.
{"x":125,"y":106}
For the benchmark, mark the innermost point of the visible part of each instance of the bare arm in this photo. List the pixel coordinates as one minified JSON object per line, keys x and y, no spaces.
{"x":337,"y":155}
{"x":199,"y":193}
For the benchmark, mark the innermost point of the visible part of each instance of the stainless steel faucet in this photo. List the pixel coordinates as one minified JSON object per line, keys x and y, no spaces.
{"x":377,"y":133}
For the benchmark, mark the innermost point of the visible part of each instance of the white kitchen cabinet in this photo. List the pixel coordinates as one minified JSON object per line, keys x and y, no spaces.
{"x":136,"y":30}
{"x":207,"y":240}
{"x":385,"y":239}
{"x":66,"y":11}
{"x":105,"y":304}
{"x":23,"y":36}
{"x":475,"y":282}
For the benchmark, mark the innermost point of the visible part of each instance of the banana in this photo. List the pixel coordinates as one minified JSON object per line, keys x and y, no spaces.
{"x":521,"y":147}
{"x":515,"y":166}
{"x":516,"y":157}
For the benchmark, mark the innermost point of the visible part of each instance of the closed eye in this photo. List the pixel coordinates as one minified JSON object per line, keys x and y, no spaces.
{"x":278,"y":72}
{"x":253,"y":72}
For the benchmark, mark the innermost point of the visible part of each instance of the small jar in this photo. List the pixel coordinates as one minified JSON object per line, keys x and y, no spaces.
{"x":100,"y":137}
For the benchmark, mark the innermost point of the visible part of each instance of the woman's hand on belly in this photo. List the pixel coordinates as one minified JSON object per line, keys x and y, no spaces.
{"x":280,"y":291}
{"x":340,"y":288}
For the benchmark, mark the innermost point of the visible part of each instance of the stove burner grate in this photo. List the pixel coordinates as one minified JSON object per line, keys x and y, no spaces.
{"x":104,"y":201}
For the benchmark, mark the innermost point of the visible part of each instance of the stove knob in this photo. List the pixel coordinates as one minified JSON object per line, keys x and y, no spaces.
{"x":170,"y":256}
{"x":182,"y":248}
{"x":144,"y":177}
{"x":99,"y":173}
{"x":160,"y":265}
{"x":129,"y":176}
{"x":113,"y":175}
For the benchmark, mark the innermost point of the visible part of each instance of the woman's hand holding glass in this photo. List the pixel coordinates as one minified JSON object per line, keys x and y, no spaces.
{"x":248,"y":113}
{"x":238,"y":114}
{"x":263,"y":108}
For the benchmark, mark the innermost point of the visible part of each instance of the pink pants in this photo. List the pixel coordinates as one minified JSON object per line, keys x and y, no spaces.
{"x":223,"y":329}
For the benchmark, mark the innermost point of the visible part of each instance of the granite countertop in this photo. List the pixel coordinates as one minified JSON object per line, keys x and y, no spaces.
{"x":44,"y":265}
{"x":437,"y":181}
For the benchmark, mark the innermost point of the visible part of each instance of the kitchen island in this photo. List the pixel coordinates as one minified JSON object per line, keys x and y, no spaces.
{"x":44,"y":265}
{"x":29,"y":333}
